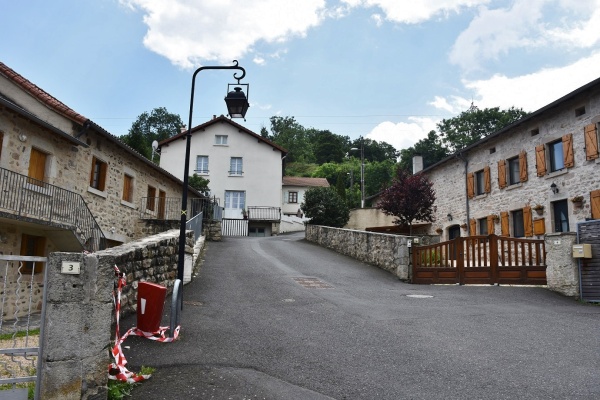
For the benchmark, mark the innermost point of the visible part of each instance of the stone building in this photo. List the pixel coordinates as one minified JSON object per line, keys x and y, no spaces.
{"x":538,"y":176}
{"x":67,"y":184}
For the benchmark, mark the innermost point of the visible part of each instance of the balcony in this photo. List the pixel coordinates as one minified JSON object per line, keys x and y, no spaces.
{"x":271,"y":214}
{"x":37,"y":202}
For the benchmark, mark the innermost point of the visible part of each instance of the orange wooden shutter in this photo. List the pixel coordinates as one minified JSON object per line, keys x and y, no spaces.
{"x":127,"y":188}
{"x":472,"y":227}
{"x":502,"y":174}
{"x":539,"y":227}
{"x":490,"y":225}
{"x":470,"y":185}
{"x":504,"y":225}
{"x":567,"y":142}
{"x":527,"y":221}
{"x":591,"y":142}
{"x":37,"y":166}
{"x":540,"y":160}
{"x":523,"y":166}
{"x":487,"y":180}
{"x":595,"y":202}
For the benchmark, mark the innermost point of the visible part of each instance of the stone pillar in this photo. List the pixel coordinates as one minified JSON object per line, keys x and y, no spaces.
{"x":562,"y":272}
{"x":77,"y":328}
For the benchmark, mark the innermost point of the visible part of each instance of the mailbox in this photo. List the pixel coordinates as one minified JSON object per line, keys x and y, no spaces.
{"x":150,"y":303}
{"x":582,"y":250}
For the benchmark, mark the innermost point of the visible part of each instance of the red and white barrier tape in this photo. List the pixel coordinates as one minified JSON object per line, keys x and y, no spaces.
{"x":117,"y":369}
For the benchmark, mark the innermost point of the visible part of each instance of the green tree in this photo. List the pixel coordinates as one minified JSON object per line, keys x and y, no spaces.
{"x":199,"y":183}
{"x":157,"y":125}
{"x":409,"y":198}
{"x":289,"y":134}
{"x":329,"y":147}
{"x":474,"y":124}
{"x":325,"y":207}
{"x":374,"y":150}
{"x":431,"y":149}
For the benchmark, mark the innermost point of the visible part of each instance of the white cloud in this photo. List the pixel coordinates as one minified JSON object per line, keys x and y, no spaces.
{"x":526,"y":24}
{"x":412,"y":12}
{"x":402,"y":135}
{"x":188,"y":32}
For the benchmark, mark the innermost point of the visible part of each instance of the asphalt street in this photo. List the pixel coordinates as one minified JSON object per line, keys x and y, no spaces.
{"x":281,"y":318}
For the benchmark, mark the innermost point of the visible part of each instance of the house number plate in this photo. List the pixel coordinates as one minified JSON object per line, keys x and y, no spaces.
{"x":70,"y":267}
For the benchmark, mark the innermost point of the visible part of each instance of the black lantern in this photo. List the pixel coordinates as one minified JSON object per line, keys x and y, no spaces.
{"x":236,"y":100}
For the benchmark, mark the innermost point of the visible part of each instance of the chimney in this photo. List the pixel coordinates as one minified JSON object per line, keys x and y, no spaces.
{"x":183,"y":129}
{"x":417,"y":162}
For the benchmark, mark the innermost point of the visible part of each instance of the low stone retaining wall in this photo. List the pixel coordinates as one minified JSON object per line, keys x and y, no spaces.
{"x":388,"y":252}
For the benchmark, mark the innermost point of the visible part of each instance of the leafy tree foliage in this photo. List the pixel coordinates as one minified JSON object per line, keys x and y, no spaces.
{"x":431,"y":149}
{"x":410,"y":198}
{"x":199,"y":183}
{"x":329,"y":147}
{"x":325,"y":207}
{"x":289,"y":134}
{"x":374,"y":150}
{"x":157,"y":125}
{"x":474,"y":124}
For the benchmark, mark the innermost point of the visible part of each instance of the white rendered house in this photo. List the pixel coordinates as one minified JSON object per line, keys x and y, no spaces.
{"x":245,"y":170}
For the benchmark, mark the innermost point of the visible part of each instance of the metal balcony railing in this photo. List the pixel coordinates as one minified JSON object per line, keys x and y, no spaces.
{"x":257,"y":213}
{"x":28,"y":198}
{"x":169,"y":208}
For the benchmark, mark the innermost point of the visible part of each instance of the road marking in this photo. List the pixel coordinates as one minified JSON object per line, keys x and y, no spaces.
{"x":419,"y":296}
{"x":312,"y":283}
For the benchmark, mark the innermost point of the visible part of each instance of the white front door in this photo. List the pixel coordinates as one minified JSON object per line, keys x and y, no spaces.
{"x":235,"y":201}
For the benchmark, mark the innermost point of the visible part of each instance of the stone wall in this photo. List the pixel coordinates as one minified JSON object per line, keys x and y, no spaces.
{"x":80,"y":310}
{"x":388,"y":252}
{"x":562,"y":272}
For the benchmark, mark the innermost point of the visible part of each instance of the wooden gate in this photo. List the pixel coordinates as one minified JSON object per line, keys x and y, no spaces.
{"x":481,"y":260}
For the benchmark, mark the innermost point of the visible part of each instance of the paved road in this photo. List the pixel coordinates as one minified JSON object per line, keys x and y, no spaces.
{"x":254,"y":327}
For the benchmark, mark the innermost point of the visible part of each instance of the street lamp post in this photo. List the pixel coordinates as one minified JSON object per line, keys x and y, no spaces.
{"x":237,"y":106}
{"x":362,"y":171}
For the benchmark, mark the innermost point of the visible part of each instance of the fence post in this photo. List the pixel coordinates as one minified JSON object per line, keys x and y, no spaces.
{"x":460,"y":258}
{"x":493,"y":241}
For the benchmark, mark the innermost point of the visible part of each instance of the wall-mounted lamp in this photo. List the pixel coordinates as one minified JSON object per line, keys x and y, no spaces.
{"x":22,"y":137}
{"x":449,"y":217}
{"x":554,"y":188}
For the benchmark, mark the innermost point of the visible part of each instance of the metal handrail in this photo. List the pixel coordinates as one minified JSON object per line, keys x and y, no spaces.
{"x":31,"y":198}
{"x":169,"y":208}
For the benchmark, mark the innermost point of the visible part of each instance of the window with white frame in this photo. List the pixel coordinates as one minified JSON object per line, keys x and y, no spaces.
{"x":560,"y":214}
{"x":235,"y":199}
{"x":221,"y":140}
{"x":236,"y":166}
{"x":202,"y":164}
{"x":555,"y":152}
{"x":293,"y":197}
{"x":514,"y":173}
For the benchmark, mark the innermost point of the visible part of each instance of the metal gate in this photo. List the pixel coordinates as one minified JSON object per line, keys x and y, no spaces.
{"x":589,"y":268}
{"x":21,"y":324}
{"x":234,"y":227}
{"x":481,"y":260}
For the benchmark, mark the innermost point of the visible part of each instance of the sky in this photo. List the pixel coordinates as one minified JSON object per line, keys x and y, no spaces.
{"x":388,"y":70}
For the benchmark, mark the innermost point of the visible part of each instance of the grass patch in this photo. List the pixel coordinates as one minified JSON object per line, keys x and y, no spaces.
{"x":8,"y":336}
{"x":118,"y":390}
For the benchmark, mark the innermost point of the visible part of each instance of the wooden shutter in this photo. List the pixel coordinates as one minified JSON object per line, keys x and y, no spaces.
{"x":37,"y":166}
{"x":487,"y":180}
{"x":595,"y":202}
{"x":491,"y":225}
{"x":567,"y":143}
{"x":472,"y":227}
{"x":127,"y":188}
{"x":540,"y":160}
{"x":523,"y":166}
{"x":539,"y":227}
{"x":470,"y":185}
{"x":504,"y":225}
{"x":527,"y":221}
{"x":591,"y":142}
{"x":502,"y":174}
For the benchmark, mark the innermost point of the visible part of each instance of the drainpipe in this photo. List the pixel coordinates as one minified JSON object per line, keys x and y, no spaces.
{"x":464,"y":158}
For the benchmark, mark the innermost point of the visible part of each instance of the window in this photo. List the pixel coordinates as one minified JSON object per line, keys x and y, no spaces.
{"x":479,"y":183}
{"x":98,"y":174}
{"x":518,"y":224}
{"x":535,"y":132}
{"x":202,"y":164}
{"x":32,"y":246}
{"x":236,"y":166}
{"x":221,"y":140}
{"x":560,"y":213}
{"x":235,"y":199}
{"x":37,"y":167}
{"x":128,"y":188}
{"x":513,"y":171}
{"x":579,"y":111}
{"x":555,"y":150}
{"x":151,"y":198}
{"x":483,"y":226}
{"x":293,"y":197}
{"x":492,"y":150}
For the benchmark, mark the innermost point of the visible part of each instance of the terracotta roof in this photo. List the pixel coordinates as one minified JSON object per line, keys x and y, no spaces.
{"x":222,"y":118}
{"x":43,"y":96}
{"x":302,"y":181}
